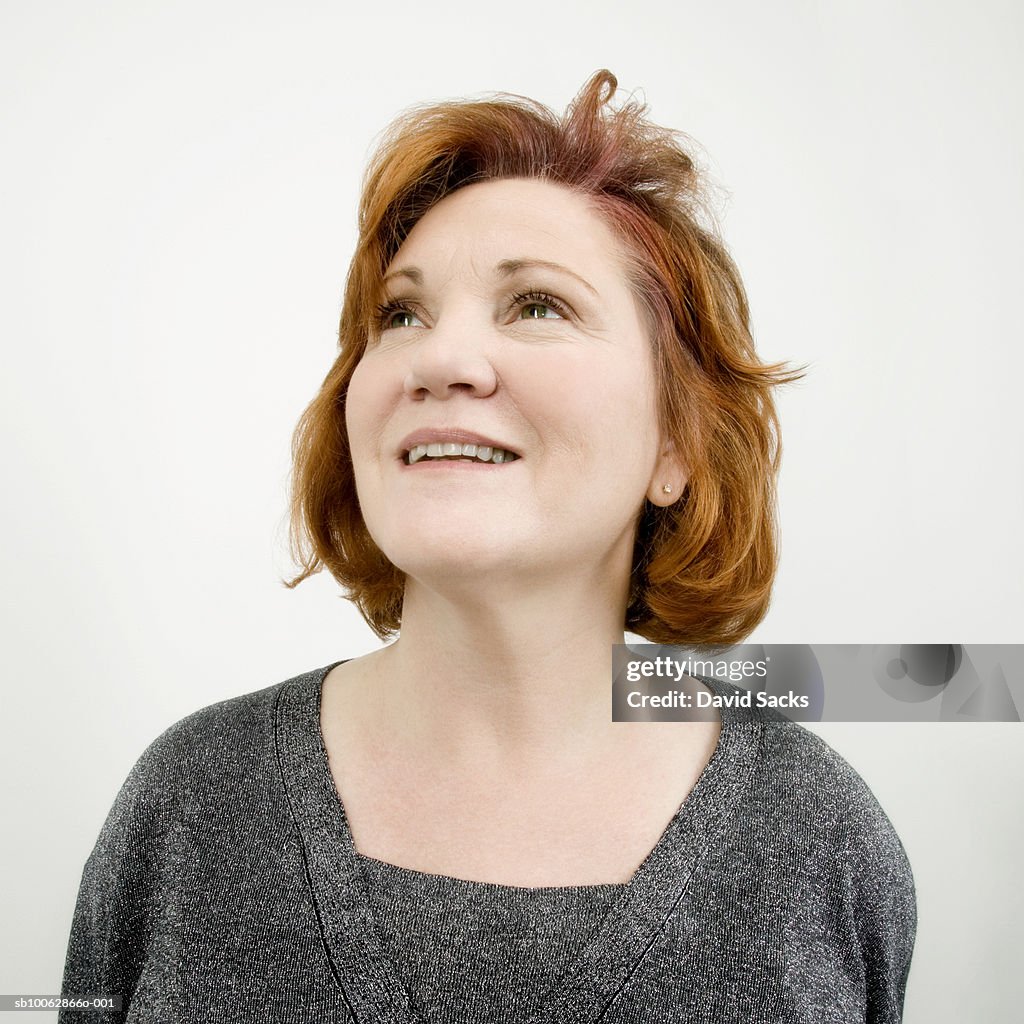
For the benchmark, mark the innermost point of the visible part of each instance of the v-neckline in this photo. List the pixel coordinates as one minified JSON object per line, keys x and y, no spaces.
{"x":637,"y":915}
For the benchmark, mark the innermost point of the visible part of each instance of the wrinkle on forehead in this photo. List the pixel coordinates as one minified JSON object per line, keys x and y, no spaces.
{"x":546,"y":222}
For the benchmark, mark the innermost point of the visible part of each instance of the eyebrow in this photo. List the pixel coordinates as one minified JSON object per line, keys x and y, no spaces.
{"x":506,"y":268}
{"x":414,"y":274}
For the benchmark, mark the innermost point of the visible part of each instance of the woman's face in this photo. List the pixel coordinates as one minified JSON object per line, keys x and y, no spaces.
{"x":510,"y":334}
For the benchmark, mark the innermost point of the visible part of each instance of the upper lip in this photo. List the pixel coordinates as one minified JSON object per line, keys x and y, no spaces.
{"x":452,"y":435}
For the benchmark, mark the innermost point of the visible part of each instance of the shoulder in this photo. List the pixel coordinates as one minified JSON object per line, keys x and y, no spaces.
{"x":802,"y":765}
{"x":217,"y":762}
{"x":812,"y":782}
{"x":827,"y":823}
{"x":798,"y":771}
{"x":847,"y":823}
{"x":810,"y":803}
{"x":809,"y":775}
{"x":213,"y":747}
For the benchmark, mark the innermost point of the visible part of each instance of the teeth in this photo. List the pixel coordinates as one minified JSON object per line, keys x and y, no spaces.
{"x":453,"y":450}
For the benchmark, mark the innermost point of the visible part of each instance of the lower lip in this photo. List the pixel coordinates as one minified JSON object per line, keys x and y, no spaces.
{"x":459,"y":464}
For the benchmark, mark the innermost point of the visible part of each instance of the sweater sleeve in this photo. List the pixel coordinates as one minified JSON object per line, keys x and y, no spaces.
{"x":850,"y":934}
{"x":883,"y":904}
{"x":119,"y":896}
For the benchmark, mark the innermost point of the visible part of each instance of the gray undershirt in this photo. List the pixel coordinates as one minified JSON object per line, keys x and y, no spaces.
{"x":473,"y":951}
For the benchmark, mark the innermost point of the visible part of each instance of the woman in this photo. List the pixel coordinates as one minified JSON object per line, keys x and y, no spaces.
{"x":547,"y":424}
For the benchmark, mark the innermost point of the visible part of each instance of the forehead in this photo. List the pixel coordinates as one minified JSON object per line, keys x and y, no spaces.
{"x":515,"y":218}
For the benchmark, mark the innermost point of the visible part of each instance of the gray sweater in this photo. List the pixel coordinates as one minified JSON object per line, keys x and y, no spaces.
{"x":225,"y":886}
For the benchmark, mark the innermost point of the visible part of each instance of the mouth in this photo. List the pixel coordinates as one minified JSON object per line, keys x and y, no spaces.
{"x":453,"y":451}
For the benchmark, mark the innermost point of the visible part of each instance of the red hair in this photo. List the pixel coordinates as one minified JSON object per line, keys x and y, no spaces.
{"x":703,"y":567}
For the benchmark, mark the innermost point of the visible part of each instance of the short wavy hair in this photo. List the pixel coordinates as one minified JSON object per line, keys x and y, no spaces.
{"x":702,"y":567}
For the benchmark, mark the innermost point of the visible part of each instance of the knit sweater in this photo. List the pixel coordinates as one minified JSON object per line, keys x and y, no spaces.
{"x":225,"y":886}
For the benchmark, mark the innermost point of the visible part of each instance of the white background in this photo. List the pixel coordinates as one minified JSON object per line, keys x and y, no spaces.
{"x":179,"y":186}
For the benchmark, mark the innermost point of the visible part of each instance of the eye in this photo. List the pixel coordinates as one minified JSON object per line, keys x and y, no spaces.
{"x":538,"y":311}
{"x":393,"y":315}
{"x":539,"y":306}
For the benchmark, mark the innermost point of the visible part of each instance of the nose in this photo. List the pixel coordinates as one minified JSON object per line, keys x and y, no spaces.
{"x":451,"y":359}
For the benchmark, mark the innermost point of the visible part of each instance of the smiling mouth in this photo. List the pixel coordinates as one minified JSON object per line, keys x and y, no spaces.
{"x":454,"y":452}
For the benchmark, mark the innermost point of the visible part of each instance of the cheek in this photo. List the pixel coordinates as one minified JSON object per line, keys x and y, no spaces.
{"x":354,"y":408}
{"x":605,"y":432}
{"x":612,"y":399}
{"x":365,"y":406}
{"x":630,"y":426}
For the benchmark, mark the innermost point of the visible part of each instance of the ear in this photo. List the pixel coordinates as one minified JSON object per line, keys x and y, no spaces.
{"x":669,"y":477}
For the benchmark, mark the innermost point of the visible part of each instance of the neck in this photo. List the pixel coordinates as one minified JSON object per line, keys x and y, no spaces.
{"x":511,"y":672}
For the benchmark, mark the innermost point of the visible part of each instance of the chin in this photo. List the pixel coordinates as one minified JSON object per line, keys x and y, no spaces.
{"x":450,"y":559}
{"x":452,"y":538}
